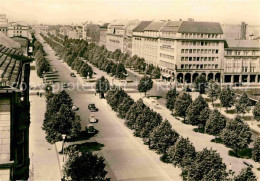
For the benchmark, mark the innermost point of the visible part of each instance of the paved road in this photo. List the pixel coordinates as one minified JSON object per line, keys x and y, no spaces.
{"x":127,"y":158}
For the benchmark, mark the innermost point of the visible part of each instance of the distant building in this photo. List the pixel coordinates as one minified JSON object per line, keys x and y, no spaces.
{"x":3,"y":23}
{"x":41,"y":29}
{"x":138,"y":39}
{"x":242,"y":61}
{"x":18,"y":29}
{"x":14,"y":115}
{"x":91,"y":32}
{"x":72,"y":32}
{"x":103,"y":34}
{"x":117,"y":33}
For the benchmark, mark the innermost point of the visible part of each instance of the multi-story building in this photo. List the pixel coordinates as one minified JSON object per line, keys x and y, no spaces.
{"x":117,"y":33}
{"x":3,"y":23}
{"x":41,"y":29}
{"x":182,"y":49}
{"x":103,"y":34}
{"x":138,"y":38}
{"x":242,"y":61}
{"x":151,"y":42}
{"x":92,"y":33}
{"x":18,"y":29}
{"x":128,"y":44}
{"x":72,"y":32}
{"x":14,"y":115}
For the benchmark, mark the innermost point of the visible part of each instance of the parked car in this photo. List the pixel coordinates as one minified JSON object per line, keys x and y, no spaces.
{"x":90,"y":129}
{"x":65,"y":85}
{"x":72,"y":75}
{"x":238,"y":84}
{"x":75,"y":108}
{"x":92,"y":108}
{"x":92,"y":118}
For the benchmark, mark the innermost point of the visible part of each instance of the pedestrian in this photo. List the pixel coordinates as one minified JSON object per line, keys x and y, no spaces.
{"x":95,"y":93}
{"x":40,"y":94}
{"x":37,"y":93}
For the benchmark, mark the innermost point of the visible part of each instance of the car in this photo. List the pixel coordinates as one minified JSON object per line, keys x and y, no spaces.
{"x":75,"y":108}
{"x":92,"y":108}
{"x":90,"y":129}
{"x":238,"y":84}
{"x":65,"y":85}
{"x":72,"y":75}
{"x":92,"y":118}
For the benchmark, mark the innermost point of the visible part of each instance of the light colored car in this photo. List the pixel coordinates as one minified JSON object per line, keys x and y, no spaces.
{"x":92,"y":118}
{"x":75,"y":108}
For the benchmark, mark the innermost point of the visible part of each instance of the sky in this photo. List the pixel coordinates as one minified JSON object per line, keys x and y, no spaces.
{"x":79,"y":11}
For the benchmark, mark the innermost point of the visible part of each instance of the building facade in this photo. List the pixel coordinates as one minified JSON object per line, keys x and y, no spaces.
{"x":103,"y":34}
{"x":119,"y":34}
{"x":182,"y":49}
{"x":242,"y":61}
{"x":18,"y":29}
{"x":3,"y":23}
{"x":14,"y":115}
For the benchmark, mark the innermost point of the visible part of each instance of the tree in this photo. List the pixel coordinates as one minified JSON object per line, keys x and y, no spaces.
{"x":133,"y":113}
{"x":121,"y":71}
{"x":200,"y":83}
{"x":156,"y":73}
{"x":195,"y":109}
{"x":246,"y":174}
{"x":213,"y":91}
{"x":207,"y":165}
{"x":227,"y":98}
{"x":182,"y":153}
{"x":145,"y":84}
{"x":141,"y":120}
{"x":236,"y":134}
{"x":215,"y":123}
{"x":256,"y":150}
{"x":171,"y":98}
{"x":256,"y":111}
{"x":62,"y":122}
{"x":203,"y":117}
{"x":243,"y":104}
{"x":102,"y":86}
{"x":84,"y":166}
{"x":124,"y":106}
{"x":163,"y":136}
{"x":181,"y":105}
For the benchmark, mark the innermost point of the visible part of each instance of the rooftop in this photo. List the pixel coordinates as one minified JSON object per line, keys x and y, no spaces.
{"x":8,"y":42}
{"x":154,"y":26}
{"x":11,"y":62}
{"x":200,"y":27}
{"x":244,"y":44}
{"x":142,"y":26}
{"x":171,"y":26}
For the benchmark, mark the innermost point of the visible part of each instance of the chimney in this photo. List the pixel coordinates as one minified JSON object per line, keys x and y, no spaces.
{"x":191,"y":19}
{"x":243,"y":31}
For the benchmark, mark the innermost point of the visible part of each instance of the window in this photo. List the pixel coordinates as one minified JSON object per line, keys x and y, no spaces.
{"x":182,"y":66}
{"x":253,"y":52}
{"x":194,"y":43}
{"x":190,"y":58}
{"x":194,"y":51}
{"x":190,"y":50}
{"x":198,"y":58}
{"x":182,"y":58}
{"x":201,"y":66}
{"x":202,"y":43}
{"x":216,"y":66}
{"x":216,"y":51}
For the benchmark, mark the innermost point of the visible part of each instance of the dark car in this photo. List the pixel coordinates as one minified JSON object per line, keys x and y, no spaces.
{"x":92,"y":108}
{"x":238,"y":84}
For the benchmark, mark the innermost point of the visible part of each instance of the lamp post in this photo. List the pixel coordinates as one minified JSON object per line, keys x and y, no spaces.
{"x":63,"y":138}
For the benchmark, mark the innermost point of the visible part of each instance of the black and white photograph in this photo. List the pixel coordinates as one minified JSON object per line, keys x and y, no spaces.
{"x":130,"y":90}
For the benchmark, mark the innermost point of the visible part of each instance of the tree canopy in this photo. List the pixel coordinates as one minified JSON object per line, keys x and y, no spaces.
{"x":145,"y":84}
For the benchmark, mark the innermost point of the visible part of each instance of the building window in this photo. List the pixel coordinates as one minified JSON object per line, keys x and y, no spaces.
{"x":182,"y":66}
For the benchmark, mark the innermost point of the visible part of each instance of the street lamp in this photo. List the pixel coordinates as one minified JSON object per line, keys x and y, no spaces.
{"x":63,"y":138}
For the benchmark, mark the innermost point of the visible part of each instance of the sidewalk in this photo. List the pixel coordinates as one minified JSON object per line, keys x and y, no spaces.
{"x":44,"y":163}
